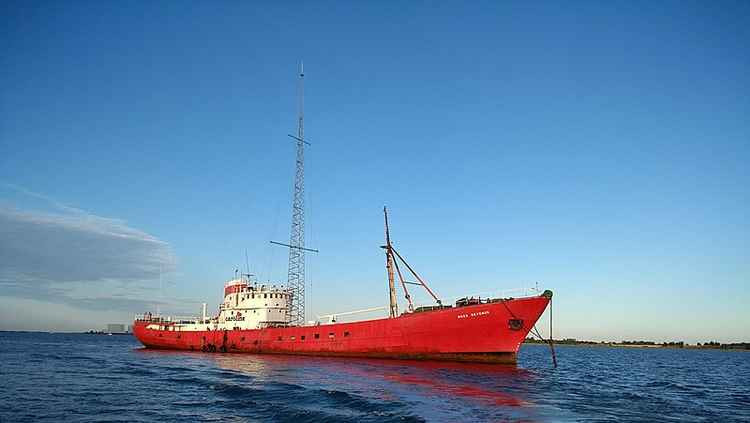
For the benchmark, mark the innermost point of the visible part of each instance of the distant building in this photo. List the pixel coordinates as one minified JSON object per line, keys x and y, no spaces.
{"x":115,"y":328}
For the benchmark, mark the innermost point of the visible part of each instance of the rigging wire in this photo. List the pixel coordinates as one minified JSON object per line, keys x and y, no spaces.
{"x":535,"y":332}
{"x":311,"y":233}
{"x":270,"y":256}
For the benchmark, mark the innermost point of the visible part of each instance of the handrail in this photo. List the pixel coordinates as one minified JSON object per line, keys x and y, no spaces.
{"x":332,"y":317}
{"x":152,"y":317}
{"x":504,"y":293}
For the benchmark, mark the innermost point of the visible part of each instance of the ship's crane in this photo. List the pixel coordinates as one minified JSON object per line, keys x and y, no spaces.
{"x":390,"y":263}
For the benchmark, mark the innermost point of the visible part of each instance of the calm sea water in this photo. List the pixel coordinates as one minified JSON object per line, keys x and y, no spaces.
{"x":72,"y":377}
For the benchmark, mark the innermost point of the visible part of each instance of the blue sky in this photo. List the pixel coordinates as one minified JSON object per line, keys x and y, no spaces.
{"x":600,"y":150}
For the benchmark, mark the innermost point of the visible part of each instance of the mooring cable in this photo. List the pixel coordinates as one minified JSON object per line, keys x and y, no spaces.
{"x":534,"y":331}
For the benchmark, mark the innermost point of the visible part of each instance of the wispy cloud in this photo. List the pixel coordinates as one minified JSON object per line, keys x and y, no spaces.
{"x":73,"y":257}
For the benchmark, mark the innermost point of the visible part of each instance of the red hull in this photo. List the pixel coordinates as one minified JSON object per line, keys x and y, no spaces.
{"x":486,"y":333}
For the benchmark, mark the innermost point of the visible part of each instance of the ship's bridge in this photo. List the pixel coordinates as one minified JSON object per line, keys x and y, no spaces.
{"x":235,"y":285}
{"x":250,"y":306}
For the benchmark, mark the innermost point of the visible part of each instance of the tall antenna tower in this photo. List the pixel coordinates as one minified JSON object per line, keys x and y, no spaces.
{"x":296,"y":275}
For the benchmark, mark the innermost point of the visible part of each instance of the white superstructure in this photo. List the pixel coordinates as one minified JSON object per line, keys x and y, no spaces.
{"x":246,"y":305}
{"x":254,"y":306}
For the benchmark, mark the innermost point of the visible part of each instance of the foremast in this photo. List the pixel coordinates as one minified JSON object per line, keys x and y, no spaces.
{"x":391,"y":263}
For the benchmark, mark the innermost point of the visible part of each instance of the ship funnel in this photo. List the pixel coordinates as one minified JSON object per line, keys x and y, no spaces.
{"x":203,"y":312}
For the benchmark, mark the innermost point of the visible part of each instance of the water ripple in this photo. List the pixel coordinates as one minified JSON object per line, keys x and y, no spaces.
{"x":87,"y":378}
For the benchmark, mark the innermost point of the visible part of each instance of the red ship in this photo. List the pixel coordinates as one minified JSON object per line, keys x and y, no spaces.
{"x":489,"y":332}
{"x":265,"y":319}
{"x":255,"y":319}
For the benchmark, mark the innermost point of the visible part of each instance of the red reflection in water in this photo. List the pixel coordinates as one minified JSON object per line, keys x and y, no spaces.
{"x":429,"y":375}
{"x":463,"y":390}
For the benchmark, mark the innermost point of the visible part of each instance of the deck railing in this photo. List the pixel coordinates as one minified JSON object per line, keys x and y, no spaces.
{"x":504,"y":293}
{"x":150,"y":317}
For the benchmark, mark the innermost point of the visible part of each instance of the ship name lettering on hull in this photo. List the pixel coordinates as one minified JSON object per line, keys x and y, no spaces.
{"x":474,"y":314}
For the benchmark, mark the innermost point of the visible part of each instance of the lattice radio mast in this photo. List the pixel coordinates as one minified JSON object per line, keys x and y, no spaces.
{"x":296,"y":275}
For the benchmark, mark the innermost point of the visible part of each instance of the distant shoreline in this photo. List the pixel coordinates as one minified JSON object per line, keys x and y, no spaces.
{"x":736,"y":346}
{"x":91,"y":332}
{"x":67,"y":332}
